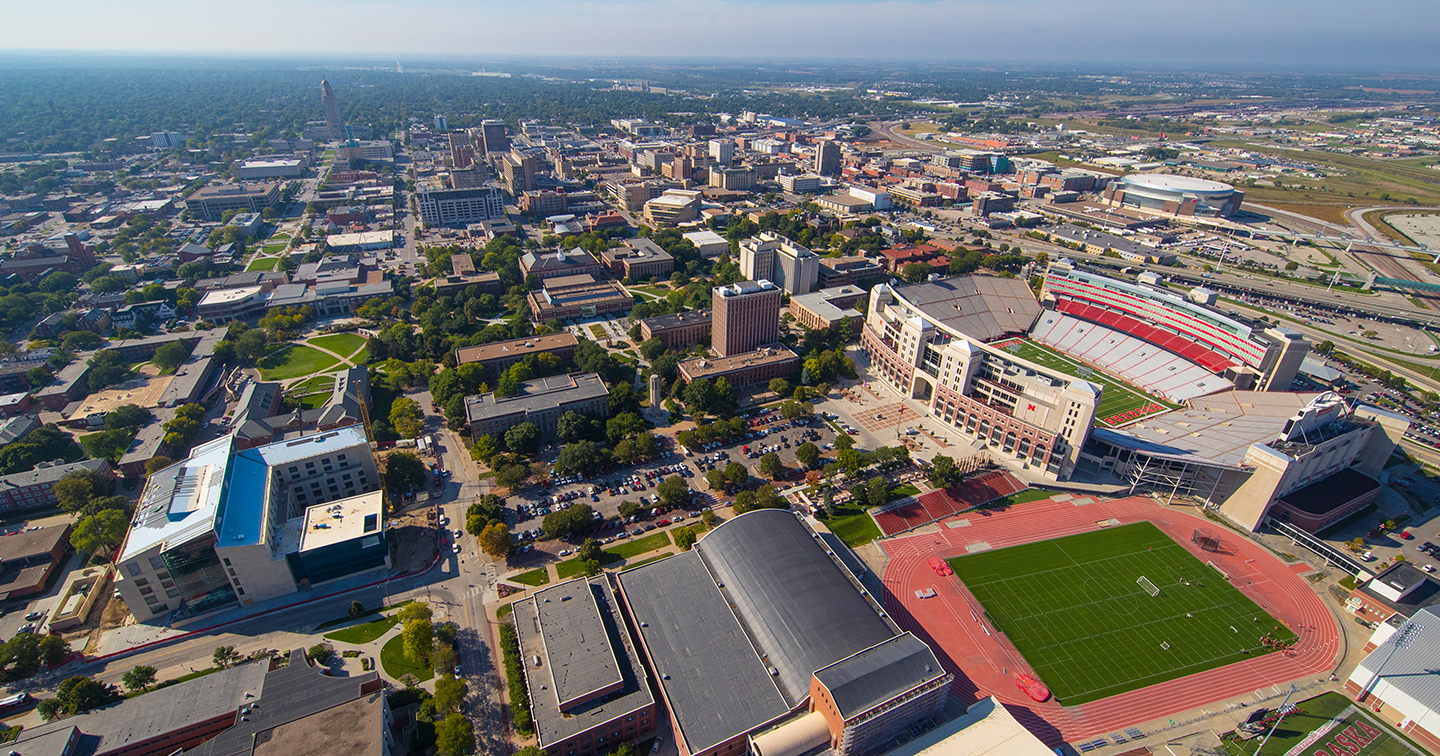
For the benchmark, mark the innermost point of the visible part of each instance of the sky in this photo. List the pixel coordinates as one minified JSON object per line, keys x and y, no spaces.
{"x":1250,"y":32}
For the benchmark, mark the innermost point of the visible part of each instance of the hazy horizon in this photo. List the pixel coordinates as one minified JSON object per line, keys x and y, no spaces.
{"x":1324,"y":33}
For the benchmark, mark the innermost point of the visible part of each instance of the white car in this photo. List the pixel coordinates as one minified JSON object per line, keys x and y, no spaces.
{"x":565,"y":552}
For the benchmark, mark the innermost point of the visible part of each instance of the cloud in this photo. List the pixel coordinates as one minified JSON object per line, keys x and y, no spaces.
{"x":1258,"y":32}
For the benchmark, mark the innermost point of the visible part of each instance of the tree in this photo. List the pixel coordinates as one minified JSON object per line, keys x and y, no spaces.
{"x":100,"y":532}
{"x":81,"y":341}
{"x":781,"y":386}
{"x":107,"y":368}
{"x":415,"y":610}
{"x":584,"y":458}
{"x":807,"y":453}
{"x":574,"y":426}
{"x":80,"y":694}
{"x":715,"y":479}
{"x":357,"y":609}
{"x":589,"y":550}
{"x":878,"y":490}
{"x":320,"y":653}
{"x":684,"y":538}
{"x":224,"y":656}
{"x":157,"y":463}
{"x":404,"y":471}
{"x":771,"y":465}
{"x":917,"y":272}
{"x":844,"y":441}
{"x":736,"y":475}
{"x":512,"y":476}
{"x":568,"y":522}
{"x":523,"y":438}
{"x":450,"y":693}
{"x":171,"y":356}
{"x":495,"y":540}
{"x":673,"y":491}
{"x":127,"y":416}
{"x":652,"y":348}
{"x":85,"y":492}
{"x":22,"y":655}
{"x":417,"y":638}
{"x":139,"y":677}
{"x":942,"y":472}
{"x":628,"y":509}
{"x":406,"y":417}
{"x":454,"y":736}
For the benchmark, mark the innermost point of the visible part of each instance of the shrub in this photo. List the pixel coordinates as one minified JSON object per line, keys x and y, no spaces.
{"x":515,"y":677}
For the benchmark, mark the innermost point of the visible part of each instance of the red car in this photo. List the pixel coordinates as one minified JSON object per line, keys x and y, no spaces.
{"x":663,"y":523}
{"x":1407,"y":535}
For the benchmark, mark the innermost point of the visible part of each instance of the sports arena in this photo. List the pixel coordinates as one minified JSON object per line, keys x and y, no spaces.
{"x":1175,"y":195}
{"x":1160,"y":341}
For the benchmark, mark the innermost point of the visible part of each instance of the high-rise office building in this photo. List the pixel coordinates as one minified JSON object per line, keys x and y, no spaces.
{"x":441,"y":124}
{"x":747,"y":316}
{"x":827,"y":158}
{"x":462,"y":152}
{"x":493,"y":131}
{"x":519,"y":172}
{"x":722,"y":151}
{"x":771,"y":257}
{"x":333,"y":123}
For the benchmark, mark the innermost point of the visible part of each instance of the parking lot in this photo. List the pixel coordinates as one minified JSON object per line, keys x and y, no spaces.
{"x":637,"y":484}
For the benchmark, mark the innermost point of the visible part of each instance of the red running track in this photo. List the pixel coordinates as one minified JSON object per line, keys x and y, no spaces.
{"x":986,"y":663}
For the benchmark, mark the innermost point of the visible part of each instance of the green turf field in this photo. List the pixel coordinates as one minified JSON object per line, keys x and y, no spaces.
{"x":1117,"y":399}
{"x":1073,"y":608}
{"x":1374,"y":738}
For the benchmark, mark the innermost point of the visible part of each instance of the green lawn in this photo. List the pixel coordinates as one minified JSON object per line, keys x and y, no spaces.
{"x":343,"y":344}
{"x":315,"y":401}
{"x":361,"y":357}
{"x":598,"y":332}
{"x":615,"y":554}
{"x":533,"y":578}
{"x":108,"y":444}
{"x":263,"y":263}
{"x":853,"y":526}
{"x":293,"y":361}
{"x":272,"y":249}
{"x":1117,"y":399}
{"x":397,"y":664}
{"x":1073,"y":608}
{"x":648,"y":561}
{"x":1024,"y":497}
{"x":637,"y":546}
{"x":314,"y":385}
{"x":1379,"y":739}
{"x":363,"y":633}
{"x":903,"y":490}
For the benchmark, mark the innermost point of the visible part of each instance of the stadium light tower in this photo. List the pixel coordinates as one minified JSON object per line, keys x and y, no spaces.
{"x":1284,"y":709}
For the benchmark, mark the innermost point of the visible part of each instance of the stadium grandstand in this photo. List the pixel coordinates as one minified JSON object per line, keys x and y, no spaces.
{"x":939,"y":343}
{"x":910,"y":513}
{"x":1308,"y":460}
{"x":1246,"y":356}
{"x":1132,"y":359}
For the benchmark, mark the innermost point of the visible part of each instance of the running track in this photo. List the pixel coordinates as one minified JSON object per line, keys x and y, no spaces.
{"x":977,"y":659}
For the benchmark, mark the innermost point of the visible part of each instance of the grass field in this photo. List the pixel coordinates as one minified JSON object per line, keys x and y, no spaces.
{"x":533,"y":578}
{"x":1074,"y":610}
{"x":853,"y":526}
{"x":343,"y":344}
{"x":571,"y":567}
{"x":397,"y":664}
{"x":263,"y":263}
{"x":1118,"y":399}
{"x":1316,"y":713}
{"x":363,"y":633}
{"x":293,"y":361}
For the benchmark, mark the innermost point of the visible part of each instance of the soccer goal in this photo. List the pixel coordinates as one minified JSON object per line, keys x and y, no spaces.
{"x":1206,"y":540}
{"x":1216,"y":567}
{"x":1149,"y":587}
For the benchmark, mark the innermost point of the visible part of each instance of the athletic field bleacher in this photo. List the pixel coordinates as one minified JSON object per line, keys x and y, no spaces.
{"x":1140,"y":362}
{"x":1202,"y":355}
{"x":910,"y":514}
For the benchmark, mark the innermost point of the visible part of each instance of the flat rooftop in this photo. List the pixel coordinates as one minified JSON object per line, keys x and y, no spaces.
{"x":677,"y":320}
{"x":342,"y":520}
{"x":579,"y":658}
{"x":227,"y":296}
{"x":537,"y":395}
{"x":516,"y":348}
{"x":632,"y":693}
{"x":1217,"y":428}
{"x":766,"y":355}
{"x":350,"y":728}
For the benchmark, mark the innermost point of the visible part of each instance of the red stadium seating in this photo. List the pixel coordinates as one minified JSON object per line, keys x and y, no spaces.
{"x":1210,"y":359}
{"x":937,"y":505}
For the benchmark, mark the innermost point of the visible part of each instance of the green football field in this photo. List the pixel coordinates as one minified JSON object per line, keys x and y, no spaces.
{"x":1119,"y":402}
{"x":1074,"y":609}
{"x":1333,"y":724}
